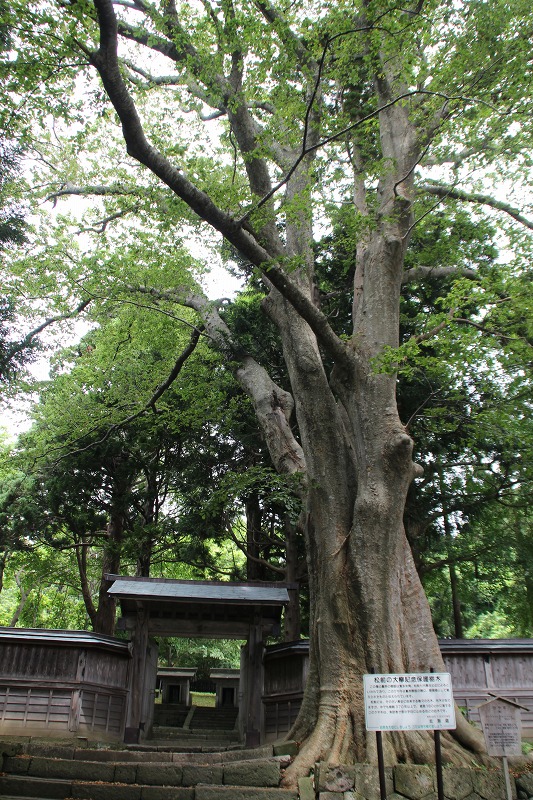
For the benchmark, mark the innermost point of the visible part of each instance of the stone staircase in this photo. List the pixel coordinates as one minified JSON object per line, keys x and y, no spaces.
{"x":196,"y":728}
{"x":170,"y":715}
{"x":213,"y":718}
{"x":38,"y":770}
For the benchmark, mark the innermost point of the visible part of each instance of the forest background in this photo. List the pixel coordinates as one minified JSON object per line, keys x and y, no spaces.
{"x":310,"y":144}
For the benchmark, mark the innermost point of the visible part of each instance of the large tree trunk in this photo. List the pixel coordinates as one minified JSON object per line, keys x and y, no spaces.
{"x":452,"y":572}
{"x":524,"y":547}
{"x":369,"y":610}
{"x":254,"y":518}
{"x":81,"y":558}
{"x":292,"y":618}
{"x":24,"y":595}
{"x":105,"y":615}
{"x":3,"y":561}
{"x":149,"y":517}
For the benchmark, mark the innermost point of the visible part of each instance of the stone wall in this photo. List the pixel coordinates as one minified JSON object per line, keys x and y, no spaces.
{"x":413,"y":782}
{"x":524,"y":785}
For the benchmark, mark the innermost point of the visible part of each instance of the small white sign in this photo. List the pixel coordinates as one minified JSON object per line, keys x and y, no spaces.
{"x":409,"y":702}
{"x":502,"y":727}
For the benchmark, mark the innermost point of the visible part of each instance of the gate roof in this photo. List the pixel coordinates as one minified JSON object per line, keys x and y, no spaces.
{"x":208,"y":609}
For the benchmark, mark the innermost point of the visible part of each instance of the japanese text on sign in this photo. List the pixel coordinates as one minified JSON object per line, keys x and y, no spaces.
{"x":409,"y":702}
{"x":502,"y":727}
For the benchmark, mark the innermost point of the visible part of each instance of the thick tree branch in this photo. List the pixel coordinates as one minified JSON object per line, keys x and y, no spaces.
{"x":429,"y":566}
{"x":287,"y":35}
{"x":107,"y":64}
{"x":100,"y":190}
{"x":484,"y":146}
{"x":101,"y":225}
{"x":19,"y":347}
{"x":485,"y":328}
{"x":441,"y":190}
{"x":273,"y":405}
{"x":153,"y":41}
{"x":192,"y":86}
{"x":424,"y":337}
{"x":175,"y":371}
{"x":237,"y":233}
{"x":306,"y":149}
{"x":246,"y":132}
{"x":436,"y":273}
{"x":185,"y":52}
{"x":262,"y":561}
{"x":275,"y":275}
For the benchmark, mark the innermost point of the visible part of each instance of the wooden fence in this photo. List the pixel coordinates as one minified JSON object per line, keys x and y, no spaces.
{"x":76,"y":683}
{"x":62,"y":682}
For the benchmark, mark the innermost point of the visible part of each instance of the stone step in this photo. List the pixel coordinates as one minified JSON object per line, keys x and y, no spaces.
{"x":164,"y":745}
{"x":209,"y":725}
{"x":174,"y":720}
{"x":207,"y":744}
{"x":159,"y":731}
{"x":203,"y":756}
{"x":141,"y":752}
{"x":240,"y":793}
{"x":148,"y":754}
{"x":19,"y":786}
{"x":12,"y":797}
{"x":213,"y":719}
{"x":196,"y":738}
{"x":24,"y":788}
{"x":253,"y":772}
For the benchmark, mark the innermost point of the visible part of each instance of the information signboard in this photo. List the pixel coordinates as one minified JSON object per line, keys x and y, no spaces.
{"x":409,"y":702}
{"x":502,"y":727}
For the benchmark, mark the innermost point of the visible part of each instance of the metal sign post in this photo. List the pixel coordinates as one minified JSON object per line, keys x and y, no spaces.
{"x":381,"y":767}
{"x":381,"y":763}
{"x":438,"y":765}
{"x":438,"y":761}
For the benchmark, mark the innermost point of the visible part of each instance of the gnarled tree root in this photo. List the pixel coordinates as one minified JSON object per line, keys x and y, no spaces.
{"x":336,"y":739}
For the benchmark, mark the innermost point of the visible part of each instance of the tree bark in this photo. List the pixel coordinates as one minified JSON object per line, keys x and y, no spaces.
{"x":81,"y":558}
{"x":452,"y":572}
{"x":149,"y":517}
{"x":3,"y":561}
{"x":105,"y":616}
{"x":292,"y":619}
{"x":22,"y":602}
{"x":253,"y":537}
{"x":112,"y":554}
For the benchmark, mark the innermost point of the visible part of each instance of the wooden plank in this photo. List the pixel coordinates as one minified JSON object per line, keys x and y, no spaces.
{"x":139,"y":655}
{"x":75,"y":708}
{"x":105,"y":669}
{"x":512,"y":672}
{"x":56,"y":686}
{"x":203,"y":629}
{"x":254,"y":684}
